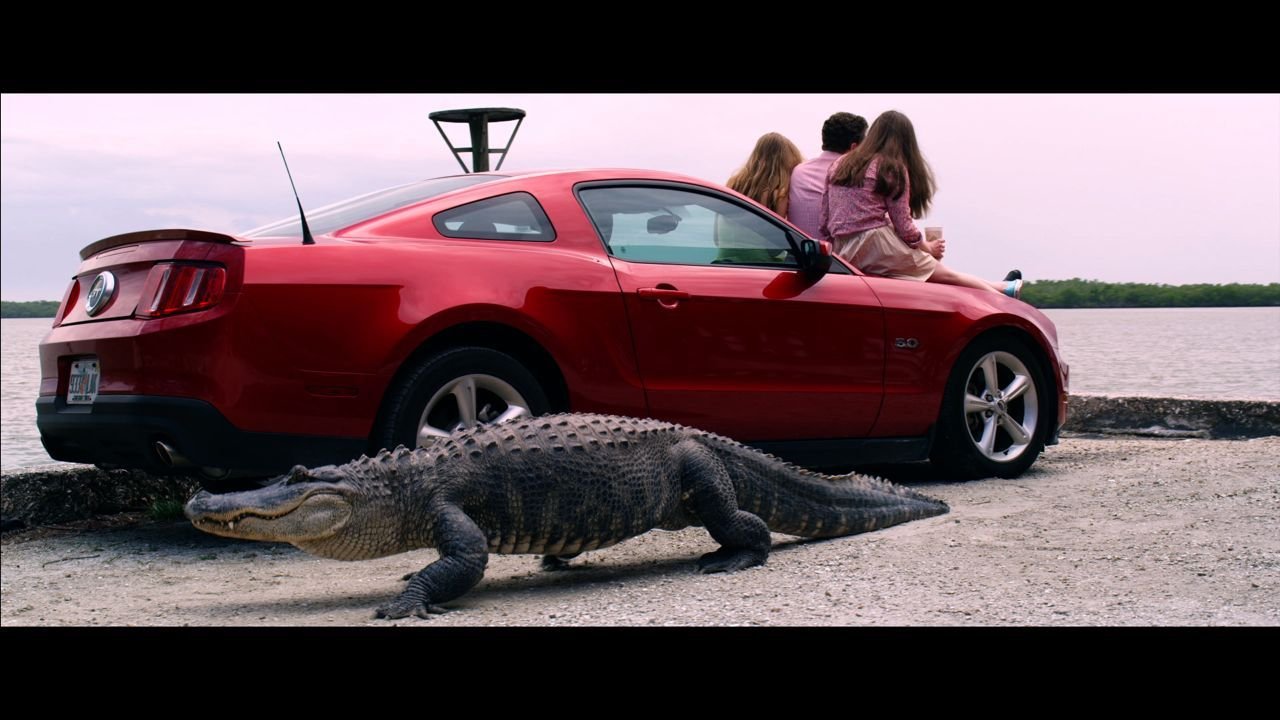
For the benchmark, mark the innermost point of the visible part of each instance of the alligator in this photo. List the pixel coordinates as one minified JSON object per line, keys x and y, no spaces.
{"x":556,"y":485}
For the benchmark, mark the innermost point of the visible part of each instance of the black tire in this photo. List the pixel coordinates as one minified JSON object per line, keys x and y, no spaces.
{"x":499,"y":386}
{"x":984,"y":431}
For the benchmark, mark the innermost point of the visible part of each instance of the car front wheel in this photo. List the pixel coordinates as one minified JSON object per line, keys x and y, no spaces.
{"x":454,"y":390}
{"x":991,"y":421}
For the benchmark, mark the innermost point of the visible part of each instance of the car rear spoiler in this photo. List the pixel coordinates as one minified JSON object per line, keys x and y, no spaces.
{"x":154,"y":235}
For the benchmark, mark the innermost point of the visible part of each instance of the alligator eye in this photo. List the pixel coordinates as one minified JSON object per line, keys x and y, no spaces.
{"x":296,"y":475}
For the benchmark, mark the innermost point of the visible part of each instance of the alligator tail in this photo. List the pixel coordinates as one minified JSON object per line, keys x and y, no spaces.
{"x":795,"y":501}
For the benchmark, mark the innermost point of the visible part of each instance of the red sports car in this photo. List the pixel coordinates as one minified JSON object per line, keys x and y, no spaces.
{"x":479,"y":298}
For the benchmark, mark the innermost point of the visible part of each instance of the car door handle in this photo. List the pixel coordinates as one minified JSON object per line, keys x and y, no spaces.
{"x":667,"y":296}
{"x":659,"y":293}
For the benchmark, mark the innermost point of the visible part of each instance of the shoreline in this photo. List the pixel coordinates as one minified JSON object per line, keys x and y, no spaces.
{"x":54,"y":493}
{"x":1172,"y":417}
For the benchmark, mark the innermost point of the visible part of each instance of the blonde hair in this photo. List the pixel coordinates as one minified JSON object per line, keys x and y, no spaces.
{"x":766,"y":177}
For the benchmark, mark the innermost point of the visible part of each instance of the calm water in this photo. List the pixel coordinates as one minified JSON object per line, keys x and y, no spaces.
{"x":1212,"y":353}
{"x":1208,"y":353}
{"x":19,"y":384}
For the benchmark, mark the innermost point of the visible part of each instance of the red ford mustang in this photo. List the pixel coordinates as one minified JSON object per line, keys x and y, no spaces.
{"x":479,"y":298}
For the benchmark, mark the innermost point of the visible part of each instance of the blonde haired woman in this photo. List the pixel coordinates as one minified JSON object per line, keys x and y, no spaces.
{"x":766,"y":176}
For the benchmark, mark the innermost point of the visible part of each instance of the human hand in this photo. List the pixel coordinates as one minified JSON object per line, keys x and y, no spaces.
{"x":937,"y":248}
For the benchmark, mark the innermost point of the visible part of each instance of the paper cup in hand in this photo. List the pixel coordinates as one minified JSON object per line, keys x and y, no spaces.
{"x":932,"y":233}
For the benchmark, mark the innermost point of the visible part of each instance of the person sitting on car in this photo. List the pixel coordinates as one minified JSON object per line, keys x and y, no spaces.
{"x":765,"y":178}
{"x":872,"y":195}
{"x":840,"y":133}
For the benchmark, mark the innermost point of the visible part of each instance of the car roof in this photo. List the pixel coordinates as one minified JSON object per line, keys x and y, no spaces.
{"x":497,"y":178}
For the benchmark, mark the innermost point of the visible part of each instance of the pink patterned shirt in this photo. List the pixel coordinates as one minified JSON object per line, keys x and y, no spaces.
{"x":849,"y":210}
{"x":808,"y":180}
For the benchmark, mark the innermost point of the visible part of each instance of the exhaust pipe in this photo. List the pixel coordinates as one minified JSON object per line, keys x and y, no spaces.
{"x":170,"y":456}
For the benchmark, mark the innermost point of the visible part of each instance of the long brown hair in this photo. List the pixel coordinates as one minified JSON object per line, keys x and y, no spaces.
{"x":766,"y":177}
{"x":892,"y":138}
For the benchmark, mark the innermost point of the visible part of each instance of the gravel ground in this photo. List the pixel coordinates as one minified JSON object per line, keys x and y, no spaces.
{"x":1101,"y":531}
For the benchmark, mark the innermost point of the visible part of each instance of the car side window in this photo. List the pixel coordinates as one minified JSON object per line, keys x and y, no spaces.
{"x":667,"y":225}
{"x":515,"y":216}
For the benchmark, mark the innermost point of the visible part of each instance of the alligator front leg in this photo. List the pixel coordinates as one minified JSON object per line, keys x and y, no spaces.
{"x":709,"y":495}
{"x":464,"y":552}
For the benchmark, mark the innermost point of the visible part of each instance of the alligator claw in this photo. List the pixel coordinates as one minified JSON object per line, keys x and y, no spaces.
{"x":397,"y":610}
{"x":727,"y":560}
{"x":390,"y":613}
{"x":553,"y":563}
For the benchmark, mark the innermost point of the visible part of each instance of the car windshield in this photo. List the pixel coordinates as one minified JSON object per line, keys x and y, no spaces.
{"x":349,"y":212}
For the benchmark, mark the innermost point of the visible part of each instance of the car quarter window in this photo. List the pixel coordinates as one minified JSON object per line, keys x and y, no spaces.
{"x":515,"y":216}
{"x":668,"y":225}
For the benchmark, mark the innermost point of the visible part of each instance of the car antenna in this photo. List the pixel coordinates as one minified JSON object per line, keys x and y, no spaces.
{"x":306,"y":231}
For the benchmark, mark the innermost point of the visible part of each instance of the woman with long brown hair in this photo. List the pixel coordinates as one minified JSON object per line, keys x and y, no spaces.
{"x":766,"y":176}
{"x":873,"y":193}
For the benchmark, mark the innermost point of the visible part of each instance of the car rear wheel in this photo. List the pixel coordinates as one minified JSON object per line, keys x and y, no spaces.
{"x":991,"y":421}
{"x":454,"y":390}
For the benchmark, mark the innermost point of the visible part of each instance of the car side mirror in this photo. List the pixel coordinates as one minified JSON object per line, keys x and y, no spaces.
{"x":662,"y":224}
{"x":815,"y":258}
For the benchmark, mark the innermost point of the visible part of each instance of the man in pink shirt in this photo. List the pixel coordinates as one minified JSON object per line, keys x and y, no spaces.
{"x":840,"y":133}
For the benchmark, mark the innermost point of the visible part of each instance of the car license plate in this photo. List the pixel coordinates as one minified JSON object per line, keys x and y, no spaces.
{"x":82,"y":386}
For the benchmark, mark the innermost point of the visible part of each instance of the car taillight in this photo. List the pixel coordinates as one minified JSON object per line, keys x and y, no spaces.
{"x":177,"y":288}
{"x":69,"y":299}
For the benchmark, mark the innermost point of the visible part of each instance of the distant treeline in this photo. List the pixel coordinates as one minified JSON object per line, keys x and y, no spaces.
{"x":33,"y":309}
{"x":1077,"y":293}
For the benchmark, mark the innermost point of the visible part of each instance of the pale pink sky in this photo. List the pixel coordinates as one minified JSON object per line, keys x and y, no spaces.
{"x":1123,"y":188}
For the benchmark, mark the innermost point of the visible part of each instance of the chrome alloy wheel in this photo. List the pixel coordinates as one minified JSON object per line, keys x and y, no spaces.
{"x":1001,"y":406}
{"x":467,"y":401}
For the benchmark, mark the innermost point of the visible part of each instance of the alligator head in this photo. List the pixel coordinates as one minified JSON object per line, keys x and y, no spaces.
{"x":316,"y":510}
